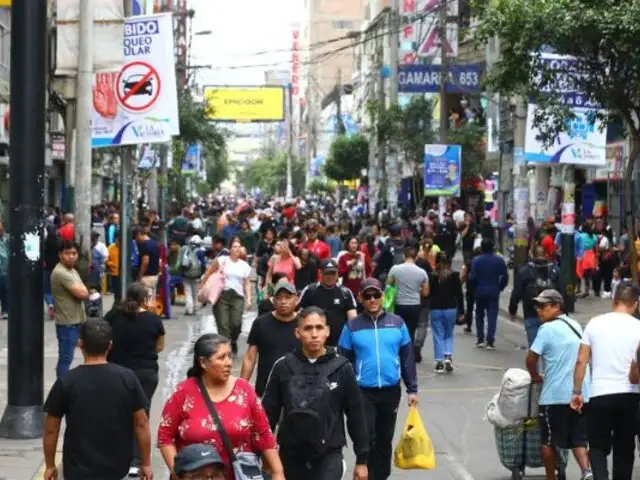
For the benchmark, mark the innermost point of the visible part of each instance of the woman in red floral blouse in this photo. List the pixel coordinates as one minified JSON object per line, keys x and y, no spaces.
{"x":186,"y":419}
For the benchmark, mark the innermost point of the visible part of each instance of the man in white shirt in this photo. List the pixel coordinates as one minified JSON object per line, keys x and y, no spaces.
{"x":610,"y":343}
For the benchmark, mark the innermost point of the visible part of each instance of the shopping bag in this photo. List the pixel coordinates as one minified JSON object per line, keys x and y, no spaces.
{"x":414,"y":451}
{"x":389,"y":300}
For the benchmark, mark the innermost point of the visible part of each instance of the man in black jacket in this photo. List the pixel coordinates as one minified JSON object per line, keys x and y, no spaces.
{"x":308,"y":392}
{"x":532,"y":279}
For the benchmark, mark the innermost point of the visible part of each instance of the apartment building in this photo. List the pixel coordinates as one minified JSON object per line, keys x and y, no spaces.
{"x":325,"y":61}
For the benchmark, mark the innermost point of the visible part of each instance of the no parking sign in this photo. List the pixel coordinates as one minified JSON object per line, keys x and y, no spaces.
{"x":138,"y":103}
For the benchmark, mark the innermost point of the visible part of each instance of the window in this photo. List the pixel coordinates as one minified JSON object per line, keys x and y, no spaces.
{"x":342,"y":24}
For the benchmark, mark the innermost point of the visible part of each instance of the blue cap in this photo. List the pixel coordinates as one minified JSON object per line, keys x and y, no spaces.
{"x":196,"y":456}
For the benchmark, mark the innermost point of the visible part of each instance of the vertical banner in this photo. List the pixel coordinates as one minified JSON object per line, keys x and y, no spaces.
{"x":138,"y":103}
{"x":442,"y":170}
{"x":191,"y":163}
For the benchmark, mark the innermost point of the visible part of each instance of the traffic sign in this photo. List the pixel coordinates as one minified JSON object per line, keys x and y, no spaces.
{"x":138,"y":86}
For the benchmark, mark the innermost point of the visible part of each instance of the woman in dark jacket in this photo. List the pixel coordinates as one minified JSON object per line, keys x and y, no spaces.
{"x":138,"y":337}
{"x":447,"y":307}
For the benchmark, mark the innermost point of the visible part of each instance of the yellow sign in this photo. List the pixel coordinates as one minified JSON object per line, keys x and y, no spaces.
{"x":245,"y":104}
{"x":5,"y":3}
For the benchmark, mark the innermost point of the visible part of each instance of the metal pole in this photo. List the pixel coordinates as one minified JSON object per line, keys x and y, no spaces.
{"x":70,"y":156}
{"x":23,"y":417}
{"x":84,"y":94}
{"x":392,"y":155}
{"x":567,"y":259}
{"x":289,"y":192}
{"x":520,"y":184}
{"x":444,"y":76}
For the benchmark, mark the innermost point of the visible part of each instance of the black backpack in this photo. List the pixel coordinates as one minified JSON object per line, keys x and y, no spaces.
{"x":309,"y":423}
{"x":542,"y":280}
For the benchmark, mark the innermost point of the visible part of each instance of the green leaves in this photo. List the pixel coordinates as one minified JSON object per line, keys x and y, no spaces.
{"x":347,"y":157}
{"x":471,"y":137}
{"x":270,"y":174}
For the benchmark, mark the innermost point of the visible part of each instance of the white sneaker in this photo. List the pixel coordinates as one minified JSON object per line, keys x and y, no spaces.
{"x":605,"y":295}
{"x":134,"y":472}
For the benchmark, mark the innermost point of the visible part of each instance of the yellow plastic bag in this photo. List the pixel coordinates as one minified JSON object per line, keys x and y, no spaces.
{"x":414,"y":451}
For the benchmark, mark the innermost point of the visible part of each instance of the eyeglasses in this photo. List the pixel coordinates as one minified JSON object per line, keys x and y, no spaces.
{"x":369,"y":296}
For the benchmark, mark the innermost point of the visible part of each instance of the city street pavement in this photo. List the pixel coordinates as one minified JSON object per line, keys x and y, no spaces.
{"x":452,"y":406}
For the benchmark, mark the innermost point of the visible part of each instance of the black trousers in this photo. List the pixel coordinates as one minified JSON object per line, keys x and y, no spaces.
{"x":411,"y":316}
{"x":331,"y":467}
{"x":381,"y":410}
{"x":149,"y":381}
{"x":611,"y":425}
{"x":470,"y":300}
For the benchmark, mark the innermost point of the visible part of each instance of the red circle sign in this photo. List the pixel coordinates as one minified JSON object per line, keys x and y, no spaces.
{"x":138,"y":86}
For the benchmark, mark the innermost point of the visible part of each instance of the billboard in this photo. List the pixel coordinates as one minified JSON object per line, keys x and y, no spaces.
{"x":5,"y":3}
{"x":245,"y":104}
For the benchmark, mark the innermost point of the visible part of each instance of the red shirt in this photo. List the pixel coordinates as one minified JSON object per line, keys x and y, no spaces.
{"x":353,"y":275}
{"x":186,"y":420}
{"x":67,"y":232}
{"x":549,"y":246}
{"x":319,"y":249}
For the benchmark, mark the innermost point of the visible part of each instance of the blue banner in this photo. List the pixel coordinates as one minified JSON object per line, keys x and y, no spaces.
{"x":137,"y":7}
{"x":565,"y":81}
{"x":442,"y":170}
{"x":426,"y":78}
{"x":191,"y":163}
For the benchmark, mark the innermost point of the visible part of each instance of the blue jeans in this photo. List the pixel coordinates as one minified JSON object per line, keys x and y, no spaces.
{"x":531,"y":326}
{"x":443,"y":323}
{"x":4,"y":293}
{"x":67,"y":340}
{"x":48,"y":296}
{"x":486,"y":304}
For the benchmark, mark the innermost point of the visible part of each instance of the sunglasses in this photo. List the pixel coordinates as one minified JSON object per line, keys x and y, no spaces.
{"x":369,"y":296}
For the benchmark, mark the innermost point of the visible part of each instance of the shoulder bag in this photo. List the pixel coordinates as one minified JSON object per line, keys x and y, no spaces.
{"x":246,"y":465}
{"x":212,"y":288}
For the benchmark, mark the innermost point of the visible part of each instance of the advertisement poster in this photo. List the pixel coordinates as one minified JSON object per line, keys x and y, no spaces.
{"x":584,"y":142}
{"x":138,"y":103}
{"x":442,"y":170}
{"x":245,"y":104}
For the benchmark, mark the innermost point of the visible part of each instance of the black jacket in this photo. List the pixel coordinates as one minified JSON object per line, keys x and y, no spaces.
{"x":526,"y":276}
{"x":347,"y":401}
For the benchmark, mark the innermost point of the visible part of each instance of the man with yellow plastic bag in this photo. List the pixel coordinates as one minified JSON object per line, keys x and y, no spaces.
{"x":414,"y":450}
{"x":379,"y":346}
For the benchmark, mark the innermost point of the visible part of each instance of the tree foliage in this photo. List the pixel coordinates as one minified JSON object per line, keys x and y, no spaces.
{"x":270,"y":174}
{"x":471,"y":137}
{"x":347,"y":157}
{"x":319,"y":187}
{"x":195,"y":127}
{"x":603,"y":38}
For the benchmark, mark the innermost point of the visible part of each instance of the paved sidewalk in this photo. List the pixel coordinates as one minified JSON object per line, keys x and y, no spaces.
{"x":23,"y":459}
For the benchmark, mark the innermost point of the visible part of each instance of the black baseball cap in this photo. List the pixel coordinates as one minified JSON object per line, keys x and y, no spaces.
{"x":371,"y":284}
{"x":329,"y":265}
{"x":193,"y":457}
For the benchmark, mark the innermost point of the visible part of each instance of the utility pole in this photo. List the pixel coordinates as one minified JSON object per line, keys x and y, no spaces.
{"x":311,"y":137}
{"x":520,"y":184}
{"x":391,"y":163}
{"x":126,"y":181}
{"x":444,"y":76}
{"x":289,"y":192}
{"x":70,"y":156}
{"x":23,"y":417}
{"x":84,"y":95}
{"x":567,"y":245}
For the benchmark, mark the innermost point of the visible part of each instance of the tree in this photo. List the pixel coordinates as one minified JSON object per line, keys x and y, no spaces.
{"x":471,"y":137}
{"x":270,"y":174}
{"x":602,"y":36}
{"x":195,"y":127}
{"x":408,"y":129}
{"x":319,"y":187}
{"x":347,"y":157}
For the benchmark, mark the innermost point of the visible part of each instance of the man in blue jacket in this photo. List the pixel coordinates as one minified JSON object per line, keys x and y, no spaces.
{"x":379,"y":346}
{"x":489,"y":276}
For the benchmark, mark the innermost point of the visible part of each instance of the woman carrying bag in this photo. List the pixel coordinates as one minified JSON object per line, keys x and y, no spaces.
{"x":229,"y":291}
{"x":214,"y":407}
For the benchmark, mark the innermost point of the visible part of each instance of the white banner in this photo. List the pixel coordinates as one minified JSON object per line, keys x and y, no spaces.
{"x":138,"y":103}
{"x":584,"y":142}
{"x":108,"y":26}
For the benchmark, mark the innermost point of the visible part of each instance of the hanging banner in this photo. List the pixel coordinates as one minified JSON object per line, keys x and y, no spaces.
{"x":442,"y":170}
{"x":138,"y":103}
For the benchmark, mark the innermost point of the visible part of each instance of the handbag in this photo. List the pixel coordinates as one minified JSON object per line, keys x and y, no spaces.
{"x":212,"y":288}
{"x":246,"y":465}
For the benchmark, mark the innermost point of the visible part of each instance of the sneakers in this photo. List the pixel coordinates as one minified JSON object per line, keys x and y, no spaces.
{"x":490,"y":346}
{"x":448,"y":364}
{"x":480,"y":344}
{"x":467,"y":330}
{"x":439,"y":367}
{"x":134,"y":472}
{"x":587,"y":475}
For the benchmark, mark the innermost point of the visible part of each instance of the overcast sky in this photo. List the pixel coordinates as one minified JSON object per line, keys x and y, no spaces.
{"x":241,"y":29}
